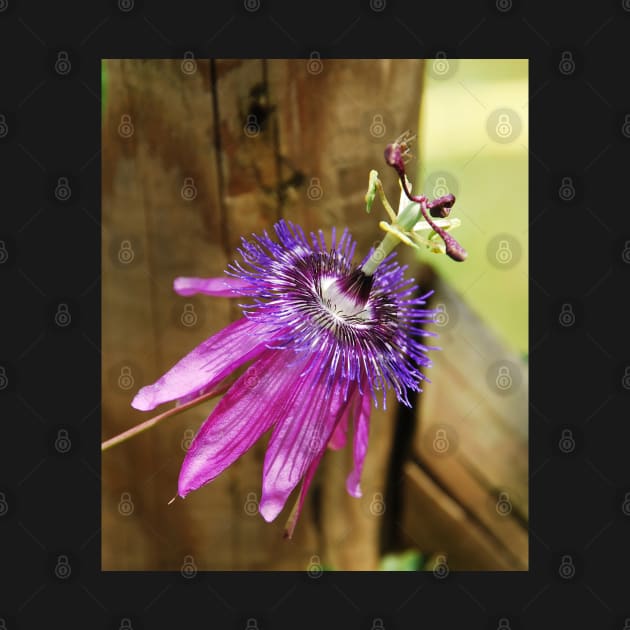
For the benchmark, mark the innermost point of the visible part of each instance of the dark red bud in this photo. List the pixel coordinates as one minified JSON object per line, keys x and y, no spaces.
{"x":453,"y":249}
{"x":441,"y":207}
{"x":394,"y":158}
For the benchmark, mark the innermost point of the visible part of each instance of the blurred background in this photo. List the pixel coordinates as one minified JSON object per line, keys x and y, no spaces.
{"x":474,"y":131}
{"x":197,"y":153}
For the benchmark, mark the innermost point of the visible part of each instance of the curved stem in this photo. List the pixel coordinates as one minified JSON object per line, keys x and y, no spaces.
{"x":394,"y":154}
{"x":147,"y":424}
{"x":453,"y":248}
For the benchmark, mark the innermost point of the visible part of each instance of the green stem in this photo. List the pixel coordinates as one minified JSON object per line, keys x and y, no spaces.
{"x":385,"y":247}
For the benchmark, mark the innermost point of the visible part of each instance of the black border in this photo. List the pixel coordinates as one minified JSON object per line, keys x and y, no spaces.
{"x":52,"y":503}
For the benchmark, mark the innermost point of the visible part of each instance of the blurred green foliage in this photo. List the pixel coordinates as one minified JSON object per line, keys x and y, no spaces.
{"x":488,"y":173}
{"x":410,"y":560}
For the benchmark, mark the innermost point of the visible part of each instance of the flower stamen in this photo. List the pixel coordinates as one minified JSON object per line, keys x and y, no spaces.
{"x":441,"y":207}
{"x":406,"y":225}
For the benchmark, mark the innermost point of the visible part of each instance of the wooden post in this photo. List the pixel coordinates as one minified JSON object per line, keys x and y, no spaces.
{"x":195,"y":155}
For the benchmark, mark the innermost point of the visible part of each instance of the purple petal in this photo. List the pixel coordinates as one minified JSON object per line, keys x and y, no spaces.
{"x":251,"y":406}
{"x":206,"y":365}
{"x":300,"y":437}
{"x":218,"y":287}
{"x":361,"y":433}
{"x":337,"y":440}
{"x":339,"y":436}
{"x":306,"y":483}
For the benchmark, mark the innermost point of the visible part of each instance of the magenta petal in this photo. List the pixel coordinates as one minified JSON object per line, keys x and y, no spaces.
{"x":361,"y":433}
{"x":206,"y":365}
{"x":299,"y":438}
{"x":339,"y":436}
{"x":306,"y":483}
{"x":250,"y":407}
{"x":224,"y":286}
{"x":339,"y":430}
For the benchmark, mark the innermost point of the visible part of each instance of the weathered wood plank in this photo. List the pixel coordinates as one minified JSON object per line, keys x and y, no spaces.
{"x":472,"y":433}
{"x":182,"y":190}
{"x":436,"y":524}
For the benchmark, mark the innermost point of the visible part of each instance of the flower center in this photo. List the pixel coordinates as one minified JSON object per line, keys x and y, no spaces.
{"x":341,"y":305}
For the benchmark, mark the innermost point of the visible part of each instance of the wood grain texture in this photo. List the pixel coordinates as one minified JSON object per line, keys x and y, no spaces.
{"x":471,"y":436}
{"x":447,"y":530}
{"x":178,"y":193}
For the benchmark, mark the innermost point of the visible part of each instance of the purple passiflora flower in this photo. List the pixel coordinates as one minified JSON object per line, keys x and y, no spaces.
{"x":323,"y":341}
